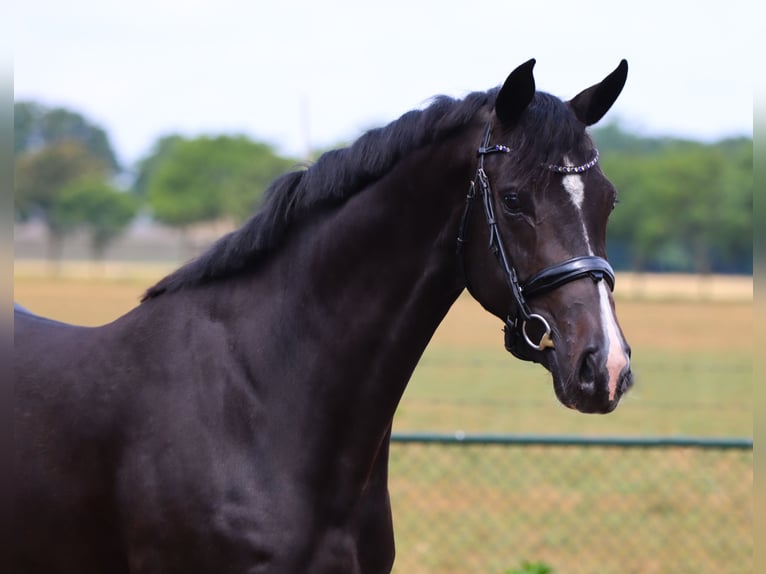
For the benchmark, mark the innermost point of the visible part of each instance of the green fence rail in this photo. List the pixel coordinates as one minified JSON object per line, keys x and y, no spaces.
{"x":488,"y":503}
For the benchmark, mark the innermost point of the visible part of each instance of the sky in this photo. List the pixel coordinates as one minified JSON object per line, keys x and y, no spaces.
{"x":303,"y":73}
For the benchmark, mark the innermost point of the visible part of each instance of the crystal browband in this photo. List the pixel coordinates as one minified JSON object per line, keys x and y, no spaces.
{"x":568,"y":169}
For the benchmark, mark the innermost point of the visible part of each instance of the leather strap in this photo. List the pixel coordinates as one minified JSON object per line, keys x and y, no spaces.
{"x":555,"y":276}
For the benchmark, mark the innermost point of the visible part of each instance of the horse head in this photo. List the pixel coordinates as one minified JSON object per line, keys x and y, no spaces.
{"x":546,"y":203}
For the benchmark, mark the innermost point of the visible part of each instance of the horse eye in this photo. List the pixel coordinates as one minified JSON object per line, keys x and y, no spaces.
{"x":512,"y":201}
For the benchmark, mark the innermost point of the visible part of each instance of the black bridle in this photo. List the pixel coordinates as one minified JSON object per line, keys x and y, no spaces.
{"x":521,"y":323}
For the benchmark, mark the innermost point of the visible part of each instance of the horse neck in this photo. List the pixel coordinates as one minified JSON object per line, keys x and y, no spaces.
{"x":350,"y":302}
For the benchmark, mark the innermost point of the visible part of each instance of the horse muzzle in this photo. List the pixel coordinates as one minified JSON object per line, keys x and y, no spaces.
{"x":594,"y":387}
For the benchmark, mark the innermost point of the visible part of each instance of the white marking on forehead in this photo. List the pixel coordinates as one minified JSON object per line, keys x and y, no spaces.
{"x":575,"y":187}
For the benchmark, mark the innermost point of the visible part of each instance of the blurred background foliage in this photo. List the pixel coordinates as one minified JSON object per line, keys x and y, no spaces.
{"x":683,"y":205}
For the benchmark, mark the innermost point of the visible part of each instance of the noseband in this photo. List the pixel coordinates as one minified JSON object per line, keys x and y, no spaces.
{"x":521,"y":323}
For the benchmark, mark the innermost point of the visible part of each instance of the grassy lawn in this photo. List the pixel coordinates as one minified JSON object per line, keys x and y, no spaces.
{"x":599,"y":510}
{"x":693,"y":376}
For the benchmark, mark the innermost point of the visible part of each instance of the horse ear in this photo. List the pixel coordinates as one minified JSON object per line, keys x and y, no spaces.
{"x":590,"y":105}
{"x":516,"y":94}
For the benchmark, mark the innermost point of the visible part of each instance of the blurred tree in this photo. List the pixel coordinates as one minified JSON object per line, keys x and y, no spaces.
{"x":612,"y":138}
{"x":203,"y":179}
{"x":39,"y":177}
{"x":734,"y":247}
{"x":37,"y":126}
{"x":637,"y":221}
{"x":683,"y":205}
{"x":102,"y":210}
{"x":693,"y":199}
{"x":55,"y":147}
{"x":146,"y":166}
{"x":25,"y":120}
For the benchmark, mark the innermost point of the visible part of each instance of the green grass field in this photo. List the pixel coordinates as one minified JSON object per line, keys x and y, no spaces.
{"x":692,"y":362}
{"x":596,"y":510}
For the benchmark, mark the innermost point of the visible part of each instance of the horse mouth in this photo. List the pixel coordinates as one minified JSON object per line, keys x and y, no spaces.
{"x":590,"y":393}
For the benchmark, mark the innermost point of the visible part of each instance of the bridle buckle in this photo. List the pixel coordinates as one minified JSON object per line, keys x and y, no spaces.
{"x":546,"y":341}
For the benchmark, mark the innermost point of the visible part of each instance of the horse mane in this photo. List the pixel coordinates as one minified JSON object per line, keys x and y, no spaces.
{"x":341,"y":173}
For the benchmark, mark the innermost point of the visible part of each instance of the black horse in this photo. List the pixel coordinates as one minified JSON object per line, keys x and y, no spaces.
{"x":238,"y":419}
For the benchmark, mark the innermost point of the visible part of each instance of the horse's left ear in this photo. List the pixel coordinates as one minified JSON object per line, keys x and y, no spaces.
{"x":516,"y":94}
{"x":590,"y":105}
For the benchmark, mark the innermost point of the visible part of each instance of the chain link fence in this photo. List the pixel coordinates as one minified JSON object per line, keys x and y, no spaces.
{"x":592,"y":506}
